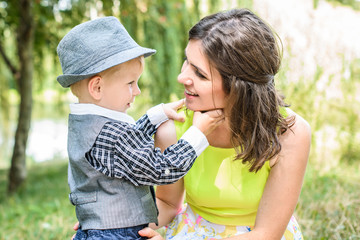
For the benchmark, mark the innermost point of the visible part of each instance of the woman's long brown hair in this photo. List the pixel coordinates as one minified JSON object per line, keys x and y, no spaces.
{"x":247,"y":55}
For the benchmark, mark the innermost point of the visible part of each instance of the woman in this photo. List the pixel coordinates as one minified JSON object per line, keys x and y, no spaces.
{"x":247,"y":183}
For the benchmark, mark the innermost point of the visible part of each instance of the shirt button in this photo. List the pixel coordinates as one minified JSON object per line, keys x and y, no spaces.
{"x":167,"y":171}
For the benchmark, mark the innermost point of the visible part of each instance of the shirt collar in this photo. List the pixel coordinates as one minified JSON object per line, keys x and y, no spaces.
{"x":85,"y":108}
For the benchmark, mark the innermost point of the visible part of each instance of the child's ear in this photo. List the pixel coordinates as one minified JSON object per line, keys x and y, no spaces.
{"x":95,"y":87}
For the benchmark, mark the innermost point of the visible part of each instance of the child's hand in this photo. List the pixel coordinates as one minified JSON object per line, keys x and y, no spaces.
{"x":206,"y":122}
{"x":170,"y":110}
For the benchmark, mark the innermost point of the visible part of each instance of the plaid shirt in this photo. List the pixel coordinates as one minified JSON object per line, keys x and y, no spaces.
{"x":125,"y":150}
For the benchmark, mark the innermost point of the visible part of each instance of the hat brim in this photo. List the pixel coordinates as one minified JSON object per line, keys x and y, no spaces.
{"x":66,"y":80}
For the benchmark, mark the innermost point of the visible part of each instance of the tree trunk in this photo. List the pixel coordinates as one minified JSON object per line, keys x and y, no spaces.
{"x":25,"y":44}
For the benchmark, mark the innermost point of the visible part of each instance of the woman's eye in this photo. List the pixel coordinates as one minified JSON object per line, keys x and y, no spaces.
{"x":199,"y":74}
{"x":131,"y":83}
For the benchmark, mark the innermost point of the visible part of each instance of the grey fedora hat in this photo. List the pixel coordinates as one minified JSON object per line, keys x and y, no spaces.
{"x":94,"y":46}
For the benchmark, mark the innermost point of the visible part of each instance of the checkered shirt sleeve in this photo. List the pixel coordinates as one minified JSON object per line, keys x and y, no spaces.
{"x":125,"y":151}
{"x":144,"y":124}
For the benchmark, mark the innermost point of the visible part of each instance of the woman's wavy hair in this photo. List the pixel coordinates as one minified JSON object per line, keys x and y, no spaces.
{"x":246,"y":52}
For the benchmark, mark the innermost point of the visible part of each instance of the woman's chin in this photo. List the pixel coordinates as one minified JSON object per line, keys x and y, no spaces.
{"x":197,"y":107}
{"x":191,"y":107}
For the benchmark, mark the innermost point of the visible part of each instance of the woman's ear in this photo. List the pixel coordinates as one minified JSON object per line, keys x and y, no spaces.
{"x":95,"y":87}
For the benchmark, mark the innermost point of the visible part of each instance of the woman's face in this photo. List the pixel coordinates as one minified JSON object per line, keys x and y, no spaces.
{"x":203,"y":85}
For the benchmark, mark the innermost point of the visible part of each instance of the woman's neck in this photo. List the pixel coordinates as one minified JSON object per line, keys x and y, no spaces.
{"x":220,"y":137}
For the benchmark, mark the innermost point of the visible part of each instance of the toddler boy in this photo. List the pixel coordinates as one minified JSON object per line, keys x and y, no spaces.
{"x":112,"y":159}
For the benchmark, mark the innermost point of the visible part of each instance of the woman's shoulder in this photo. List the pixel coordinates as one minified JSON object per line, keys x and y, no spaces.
{"x":296,"y":140}
{"x":298,"y":136}
{"x":301,"y":126}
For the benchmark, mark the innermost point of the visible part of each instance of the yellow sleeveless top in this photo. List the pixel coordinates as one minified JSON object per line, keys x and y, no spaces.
{"x":222,"y":190}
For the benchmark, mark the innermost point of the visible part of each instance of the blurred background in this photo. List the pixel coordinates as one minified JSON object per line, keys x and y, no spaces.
{"x":320,"y":77}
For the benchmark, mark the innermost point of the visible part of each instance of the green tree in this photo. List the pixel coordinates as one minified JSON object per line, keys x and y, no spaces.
{"x":23,"y":74}
{"x":29,"y":30}
{"x":32,"y":28}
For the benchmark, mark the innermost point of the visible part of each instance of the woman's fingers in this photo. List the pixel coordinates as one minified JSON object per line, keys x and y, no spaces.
{"x":150,"y":234}
{"x":76,"y":226}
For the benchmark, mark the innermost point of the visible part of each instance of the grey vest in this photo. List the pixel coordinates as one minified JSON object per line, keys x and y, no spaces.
{"x":102,"y":202}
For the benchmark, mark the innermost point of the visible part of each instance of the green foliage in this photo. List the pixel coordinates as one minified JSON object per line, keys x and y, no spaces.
{"x":355,"y":4}
{"x":329,"y":206}
{"x":350,"y":109}
{"x":41,"y":209}
{"x":332,"y":117}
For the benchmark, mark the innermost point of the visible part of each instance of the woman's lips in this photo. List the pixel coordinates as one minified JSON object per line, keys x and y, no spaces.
{"x":190,"y":94}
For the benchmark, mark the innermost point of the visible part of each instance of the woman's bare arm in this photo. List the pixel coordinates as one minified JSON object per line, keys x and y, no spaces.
{"x":169,"y":198}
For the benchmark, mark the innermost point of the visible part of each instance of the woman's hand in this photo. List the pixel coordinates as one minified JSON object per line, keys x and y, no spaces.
{"x":76,"y":227}
{"x":150,"y":234}
{"x":206,"y":122}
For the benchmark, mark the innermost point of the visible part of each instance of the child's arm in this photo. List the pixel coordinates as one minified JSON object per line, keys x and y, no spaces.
{"x":128,"y":153}
{"x":155,"y":116}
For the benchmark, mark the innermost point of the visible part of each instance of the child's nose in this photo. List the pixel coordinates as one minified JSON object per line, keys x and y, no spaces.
{"x":136,"y":90}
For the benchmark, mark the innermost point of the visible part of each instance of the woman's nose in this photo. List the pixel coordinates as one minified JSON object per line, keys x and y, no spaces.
{"x":184,"y":77}
{"x":184,"y":80}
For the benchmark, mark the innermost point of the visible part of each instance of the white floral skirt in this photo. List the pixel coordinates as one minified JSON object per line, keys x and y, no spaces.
{"x":188,"y":225}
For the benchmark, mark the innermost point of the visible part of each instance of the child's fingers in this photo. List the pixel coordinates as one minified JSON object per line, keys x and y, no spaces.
{"x":178,"y":104}
{"x":177,"y":116}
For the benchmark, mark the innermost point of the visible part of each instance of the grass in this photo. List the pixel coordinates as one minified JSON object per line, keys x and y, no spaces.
{"x":41,"y":209}
{"x":329,"y":205}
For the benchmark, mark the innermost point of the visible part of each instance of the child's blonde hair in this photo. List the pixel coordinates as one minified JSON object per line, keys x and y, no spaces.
{"x":78,"y":87}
